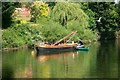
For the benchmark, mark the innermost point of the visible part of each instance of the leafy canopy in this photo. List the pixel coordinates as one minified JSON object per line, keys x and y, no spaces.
{"x":39,"y":9}
{"x":65,"y":12}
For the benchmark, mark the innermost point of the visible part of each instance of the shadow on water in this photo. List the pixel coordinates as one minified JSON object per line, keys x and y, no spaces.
{"x":118,"y":42}
{"x":107,"y":59}
{"x":7,"y":72}
{"x":107,"y":35}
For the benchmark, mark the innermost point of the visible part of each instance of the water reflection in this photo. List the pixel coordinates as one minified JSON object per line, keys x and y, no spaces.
{"x":107,"y":60}
{"x":8,"y":72}
{"x":118,"y":51}
{"x":101,"y":61}
{"x":56,"y":56}
{"x":65,"y":64}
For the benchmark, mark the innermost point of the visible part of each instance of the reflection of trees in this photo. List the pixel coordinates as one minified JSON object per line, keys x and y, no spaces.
{"x":89,"y":65}
{"x":54,"y":65}
{"x":68,"y":65}
{"x":17,"y":64}
{"x":107,"y":64}
{"x":118,"y":45}
{"x":7,"y":72}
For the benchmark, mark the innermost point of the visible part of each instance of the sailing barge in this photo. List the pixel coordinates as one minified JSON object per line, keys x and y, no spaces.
{"x":56,"y":47}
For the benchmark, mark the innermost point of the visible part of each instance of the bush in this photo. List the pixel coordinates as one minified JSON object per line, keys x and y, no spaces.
{"x":38,"y":9}
{"x":53,"y":31}
{"x":83,"y":33}
{"x":89,"y":35}
{"x":20,"y":35}
{"x":11,"y":39}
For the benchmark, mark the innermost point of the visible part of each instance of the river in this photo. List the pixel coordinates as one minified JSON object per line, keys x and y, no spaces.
{"x":101,"y":61}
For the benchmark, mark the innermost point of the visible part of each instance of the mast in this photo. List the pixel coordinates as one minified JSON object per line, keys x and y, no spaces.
{"x":63,"y":39}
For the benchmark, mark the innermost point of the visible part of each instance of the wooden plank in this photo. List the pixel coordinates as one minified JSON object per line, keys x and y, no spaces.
{"x":63,"y":39}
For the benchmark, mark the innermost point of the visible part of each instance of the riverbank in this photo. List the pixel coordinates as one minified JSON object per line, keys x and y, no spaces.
{"x":21,"y":35}
{"x":86,"y":42}
{"x":14,"y":49}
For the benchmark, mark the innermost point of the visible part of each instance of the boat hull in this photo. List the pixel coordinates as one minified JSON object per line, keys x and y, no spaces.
{"x":83,"y":49}
{"x":50,"y":49}
{"x":41,"y":50}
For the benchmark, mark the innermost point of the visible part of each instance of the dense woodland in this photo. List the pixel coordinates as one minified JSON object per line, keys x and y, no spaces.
{"x":51,"y":21}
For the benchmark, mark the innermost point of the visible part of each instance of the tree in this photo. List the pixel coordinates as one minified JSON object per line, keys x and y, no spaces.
{"x":108,"y":24}
{"x":118,"y":8}
{"x":65,"y":12}
{"x":73,"y":18}
{"x":39,"y":9}
{"x":90,"y":13}
{"x":7,"y":10}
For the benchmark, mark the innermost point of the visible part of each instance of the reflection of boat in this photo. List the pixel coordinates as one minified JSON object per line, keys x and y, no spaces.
{"x":57,"y":57}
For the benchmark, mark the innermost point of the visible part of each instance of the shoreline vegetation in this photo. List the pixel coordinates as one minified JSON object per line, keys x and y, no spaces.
{"x":29,"y":47}
{"x":14,"y":49}
{"x":52,"y":21}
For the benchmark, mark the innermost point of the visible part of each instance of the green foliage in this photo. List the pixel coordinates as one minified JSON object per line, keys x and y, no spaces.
{"x":82,"y":32}
{"x":91,"y":15}
{"x":42,"y":20}
{"x":89,"y":35}
{"x":38,"y":9}
{"x":75,"y":26}
{"x":65,"y":18}
{"x":7,"y":10}
{"x":108,"y":13}
{"x":53,"y":31}
{"x":10,"y":39}
{"x":110,"y":17}
{"x":118,"y":11}
{"x":65,"y":12}
{"x":20,"y":35}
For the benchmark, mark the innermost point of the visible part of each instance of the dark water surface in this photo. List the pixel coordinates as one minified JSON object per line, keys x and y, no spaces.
{"x":101,"y":61}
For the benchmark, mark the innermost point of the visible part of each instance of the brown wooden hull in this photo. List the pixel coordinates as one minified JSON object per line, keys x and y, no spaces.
{"x":55,"y":49}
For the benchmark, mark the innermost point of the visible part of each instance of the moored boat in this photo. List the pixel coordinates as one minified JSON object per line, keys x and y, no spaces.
{"x":55,"y":48}
{"x":82,"y":49}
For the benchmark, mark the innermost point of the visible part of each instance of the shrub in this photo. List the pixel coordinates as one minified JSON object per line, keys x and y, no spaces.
{"x":20,"y":35}
{"x":53,"y":31}
{"x":38,"y":9}
{"x":82,"y":32}
{"x":89,"y":35}
{"x":11,"y":39}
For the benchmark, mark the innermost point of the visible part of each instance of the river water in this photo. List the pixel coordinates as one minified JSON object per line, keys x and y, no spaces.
{"x":101,"y":61}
